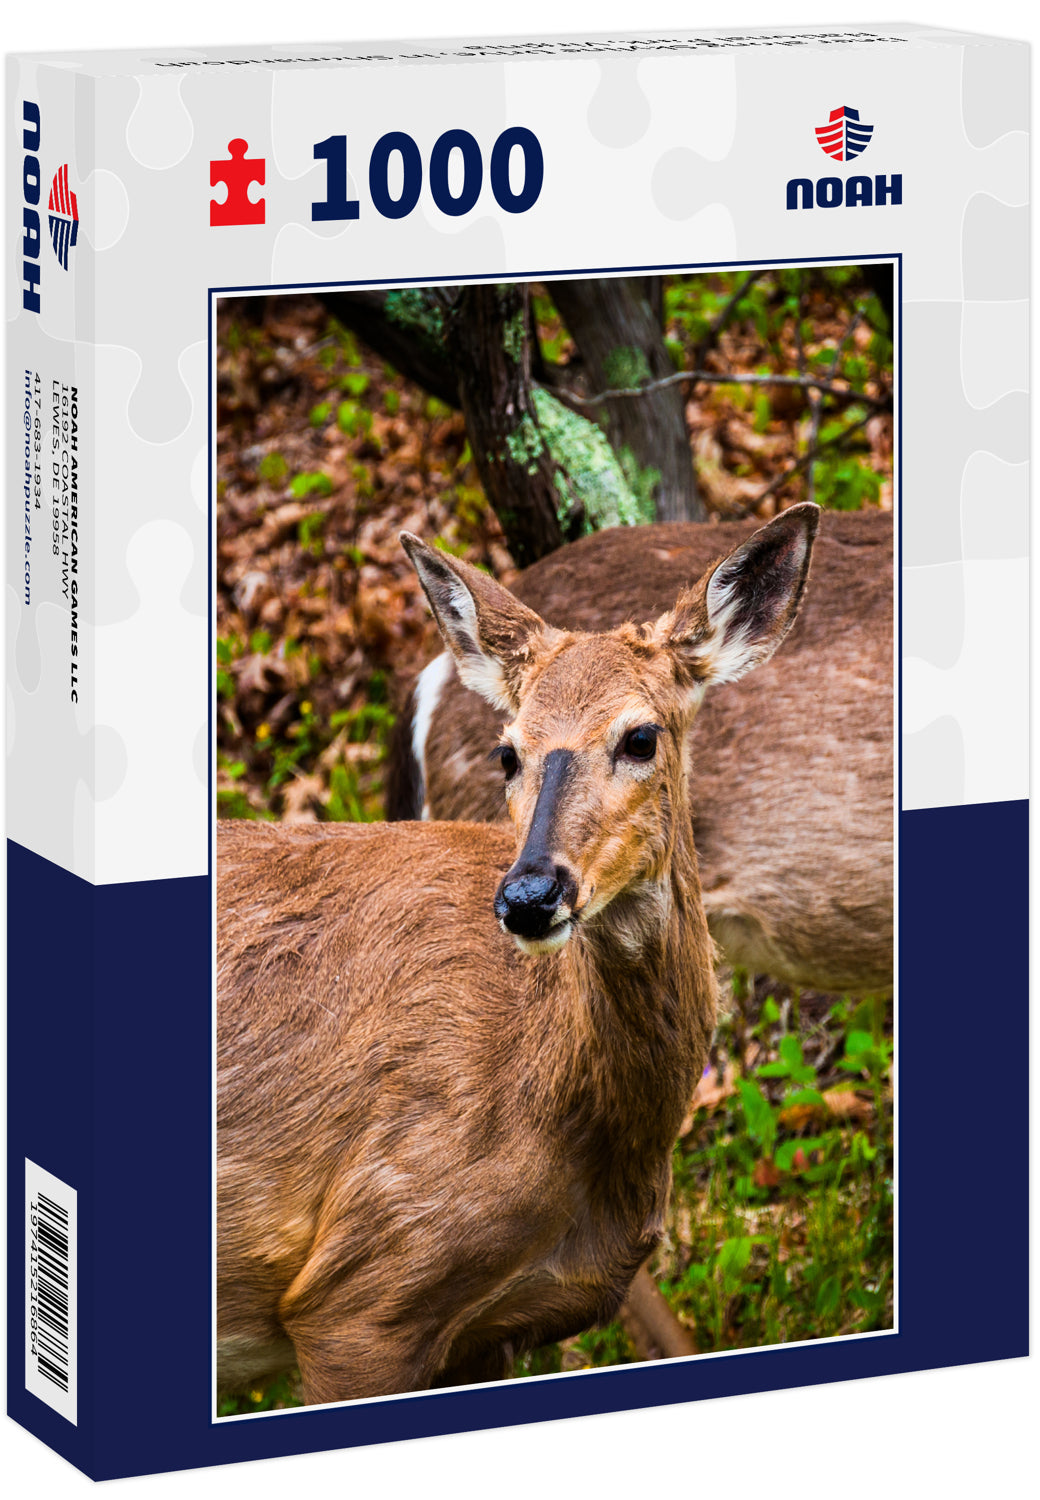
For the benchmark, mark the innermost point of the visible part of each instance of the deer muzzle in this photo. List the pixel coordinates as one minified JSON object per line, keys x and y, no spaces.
{"x":535,"y":900}
{"x":536,"y":904}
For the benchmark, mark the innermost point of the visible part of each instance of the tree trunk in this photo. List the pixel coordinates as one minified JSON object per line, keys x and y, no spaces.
{"x":652,"y":288}
{"x":622,"y":344}
{"x":488,"y":344}
{"x":405,"y":329}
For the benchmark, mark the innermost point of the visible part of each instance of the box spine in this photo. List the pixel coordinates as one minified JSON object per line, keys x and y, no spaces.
{"x":50,"y":991}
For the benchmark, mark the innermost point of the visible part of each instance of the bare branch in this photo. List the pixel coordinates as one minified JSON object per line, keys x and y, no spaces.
{"x":722,"y":317}
{"x":714,"y":377}
{"x":854,"y":322}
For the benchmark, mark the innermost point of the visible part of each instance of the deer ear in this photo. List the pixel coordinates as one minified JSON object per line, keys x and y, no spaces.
{"x":486,"y":629}
{"x":740,"y":611}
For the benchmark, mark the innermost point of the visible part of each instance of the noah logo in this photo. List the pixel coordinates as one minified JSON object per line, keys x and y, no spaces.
{"x":30,"y":208}
{"x":843,"y":136}
{"x":63,"y":216}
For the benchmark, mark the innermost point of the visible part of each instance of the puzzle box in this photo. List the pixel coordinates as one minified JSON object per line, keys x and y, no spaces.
{"x":266,"y":309}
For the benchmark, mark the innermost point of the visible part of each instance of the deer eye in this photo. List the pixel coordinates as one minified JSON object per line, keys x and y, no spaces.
{"x":508,"y":756}
{"x":640,"y":743}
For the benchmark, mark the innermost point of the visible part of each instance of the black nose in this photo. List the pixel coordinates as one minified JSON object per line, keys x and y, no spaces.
{"x":526,"y":902}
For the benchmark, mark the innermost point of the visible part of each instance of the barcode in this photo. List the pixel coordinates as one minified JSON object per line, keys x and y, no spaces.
{"x":50,"y":1290}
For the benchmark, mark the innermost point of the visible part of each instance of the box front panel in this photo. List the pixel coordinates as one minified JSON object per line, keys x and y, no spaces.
{"x":204,"y":188}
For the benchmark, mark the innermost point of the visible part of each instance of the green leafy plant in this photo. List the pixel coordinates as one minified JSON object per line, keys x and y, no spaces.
{"x":310,"y":530}
{"x":355,"y":382}
{"x":353,"y":418}
{"x":310,"y":484}
{"x":273,"y":468}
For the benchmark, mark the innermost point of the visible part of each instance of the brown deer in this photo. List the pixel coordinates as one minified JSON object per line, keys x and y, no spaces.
{"x":791,"y":779}
{"x":446,"y":1138}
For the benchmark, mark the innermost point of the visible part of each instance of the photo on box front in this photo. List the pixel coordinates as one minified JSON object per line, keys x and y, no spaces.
{"x":552,"y":762}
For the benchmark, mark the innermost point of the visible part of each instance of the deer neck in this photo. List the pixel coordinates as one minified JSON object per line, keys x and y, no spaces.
{"x":634,"y":1011}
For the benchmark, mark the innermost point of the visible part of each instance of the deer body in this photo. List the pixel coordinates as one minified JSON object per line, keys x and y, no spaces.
{"x":443,"y":1140}
{"x":468,"y":1111}
{"x":791,"y":780}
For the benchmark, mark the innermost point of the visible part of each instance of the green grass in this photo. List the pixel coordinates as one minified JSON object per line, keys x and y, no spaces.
{"x":277,"y":1394}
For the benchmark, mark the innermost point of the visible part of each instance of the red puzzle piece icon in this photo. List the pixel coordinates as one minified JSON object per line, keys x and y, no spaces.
{"x":238,"y":172}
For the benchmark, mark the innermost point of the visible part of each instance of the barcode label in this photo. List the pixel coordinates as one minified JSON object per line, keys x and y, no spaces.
{"x":50,"y":1290}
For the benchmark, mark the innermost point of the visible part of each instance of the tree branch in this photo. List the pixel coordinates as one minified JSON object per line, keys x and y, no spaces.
{"x":722,"y":317}
{"x":714,"y":377}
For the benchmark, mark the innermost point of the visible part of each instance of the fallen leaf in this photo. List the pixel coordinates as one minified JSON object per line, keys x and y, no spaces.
{"x":847,"y":1105}
{"x":801,"y":1116}
{"x":711,"y":1090}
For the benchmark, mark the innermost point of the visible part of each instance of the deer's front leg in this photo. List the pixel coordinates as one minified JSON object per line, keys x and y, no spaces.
{"x":344,"y":1357}
{"x":493,"y":1363}
{"x":372,"y":1332}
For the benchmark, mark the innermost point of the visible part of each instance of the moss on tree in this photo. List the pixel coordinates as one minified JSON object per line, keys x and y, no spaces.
{"x":513,"y":335}
{"x":626,"y":368}
{"x":414,"y":309}
{"x":590,"y":480}
{"x":525,"y":444}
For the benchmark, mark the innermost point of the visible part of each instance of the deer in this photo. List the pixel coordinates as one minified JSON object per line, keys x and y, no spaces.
{"x":453,"y":1058}
{"x":791,"y":767}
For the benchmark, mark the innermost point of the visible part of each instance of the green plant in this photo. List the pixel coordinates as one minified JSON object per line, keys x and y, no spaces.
{"x":273,"y":468}
{"x":310,"y":484}
{"x":310,"y":530}
{"x":273,"y":1395}
{"x":353,"y":418}
{"x":354,"y":382}
{"x":228,"y":649}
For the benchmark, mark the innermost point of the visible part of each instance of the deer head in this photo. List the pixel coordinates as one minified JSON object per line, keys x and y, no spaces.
{"x":594,"y":746}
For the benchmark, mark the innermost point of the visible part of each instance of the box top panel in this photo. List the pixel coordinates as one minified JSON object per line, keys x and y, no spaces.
{"x":458,"y":50}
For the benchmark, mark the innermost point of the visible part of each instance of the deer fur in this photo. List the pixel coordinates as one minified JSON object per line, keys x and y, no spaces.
{"x":791,"y":767}
{"x":444,"y":1139}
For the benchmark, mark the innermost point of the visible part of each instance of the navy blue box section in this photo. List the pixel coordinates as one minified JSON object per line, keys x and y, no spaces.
{"x":109,"y":1036}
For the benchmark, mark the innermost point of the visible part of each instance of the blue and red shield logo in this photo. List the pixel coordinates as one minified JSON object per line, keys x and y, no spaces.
{"x":843,"y":136}
{"x":63,"y":216}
